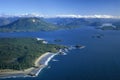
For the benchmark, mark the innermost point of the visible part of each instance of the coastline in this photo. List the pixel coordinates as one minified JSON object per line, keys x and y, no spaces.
{"x":40,"y":63}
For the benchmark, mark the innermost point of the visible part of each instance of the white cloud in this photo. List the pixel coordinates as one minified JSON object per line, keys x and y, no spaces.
{"x":87,"y":16}
{"x":30,"y":15}
{"x":61,"y":16}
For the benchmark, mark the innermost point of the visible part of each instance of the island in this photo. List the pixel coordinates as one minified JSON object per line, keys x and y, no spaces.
{"x":79,"y":46}
{"x":25,"y":56}
{"x":58,"y":40}
{"x":109,"y":26}
{"x":99,"y":36}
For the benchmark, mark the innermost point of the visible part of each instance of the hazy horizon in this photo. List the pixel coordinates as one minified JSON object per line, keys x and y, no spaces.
{"x":64,"y":7}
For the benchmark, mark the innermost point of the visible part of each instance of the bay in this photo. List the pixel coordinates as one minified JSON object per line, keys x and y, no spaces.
{"x":99,"y":60}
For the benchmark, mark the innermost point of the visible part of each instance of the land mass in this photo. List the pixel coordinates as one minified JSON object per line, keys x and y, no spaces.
{"x":21,"y":53}
{"x":28,"y":24}
{"x":33,"y":24}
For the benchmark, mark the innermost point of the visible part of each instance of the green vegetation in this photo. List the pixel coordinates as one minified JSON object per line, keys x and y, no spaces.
{"x":21,"y":53}
{"x":69,"y":23}
{"x":28,"y":24}
{"x":40,"y":24}
{"x":37,"y":24}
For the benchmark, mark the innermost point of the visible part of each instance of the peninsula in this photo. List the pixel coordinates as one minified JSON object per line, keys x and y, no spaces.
{"x":24,"y":56}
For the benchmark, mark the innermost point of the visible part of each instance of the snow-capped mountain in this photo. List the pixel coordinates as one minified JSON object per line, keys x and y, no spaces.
{"x":58,"y":16}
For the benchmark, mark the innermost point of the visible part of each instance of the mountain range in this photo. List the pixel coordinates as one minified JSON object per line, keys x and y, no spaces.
{"x":18,"y":24}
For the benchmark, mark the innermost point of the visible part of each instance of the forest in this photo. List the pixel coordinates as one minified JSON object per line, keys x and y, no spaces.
{"x":21,"y":53}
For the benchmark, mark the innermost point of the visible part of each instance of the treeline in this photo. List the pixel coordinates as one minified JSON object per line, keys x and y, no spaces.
{"x":21,"y":53}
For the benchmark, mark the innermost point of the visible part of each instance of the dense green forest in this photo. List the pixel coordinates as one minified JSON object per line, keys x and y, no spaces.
{"x":21,"y":53}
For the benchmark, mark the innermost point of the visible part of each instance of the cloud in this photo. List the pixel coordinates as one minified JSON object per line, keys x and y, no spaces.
{"x":87,"y":16}
{"x":60,"y":16}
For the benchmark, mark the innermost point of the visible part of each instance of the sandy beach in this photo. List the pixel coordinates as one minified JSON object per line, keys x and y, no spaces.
{"x":40,"y":63}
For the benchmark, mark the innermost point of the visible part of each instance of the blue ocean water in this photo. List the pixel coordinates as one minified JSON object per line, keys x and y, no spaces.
{"x":99,"y":60}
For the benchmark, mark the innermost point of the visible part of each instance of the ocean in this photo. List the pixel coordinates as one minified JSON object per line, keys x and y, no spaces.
{"x":99,"y":60}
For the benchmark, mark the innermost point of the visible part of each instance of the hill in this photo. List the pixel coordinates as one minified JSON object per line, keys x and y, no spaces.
{"x":68,"y":23}
{"x":28,"y":24}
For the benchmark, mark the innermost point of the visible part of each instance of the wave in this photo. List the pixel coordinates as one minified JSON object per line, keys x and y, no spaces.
{"x":48,"y":60}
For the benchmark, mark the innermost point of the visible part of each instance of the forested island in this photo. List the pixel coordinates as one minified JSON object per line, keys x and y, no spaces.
{"x":21,"y":53}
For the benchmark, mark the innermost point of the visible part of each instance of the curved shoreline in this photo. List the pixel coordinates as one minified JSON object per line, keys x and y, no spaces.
{"x":40,"y":63}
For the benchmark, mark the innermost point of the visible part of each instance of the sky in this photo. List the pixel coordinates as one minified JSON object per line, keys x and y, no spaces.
{"x":58,"y":7}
